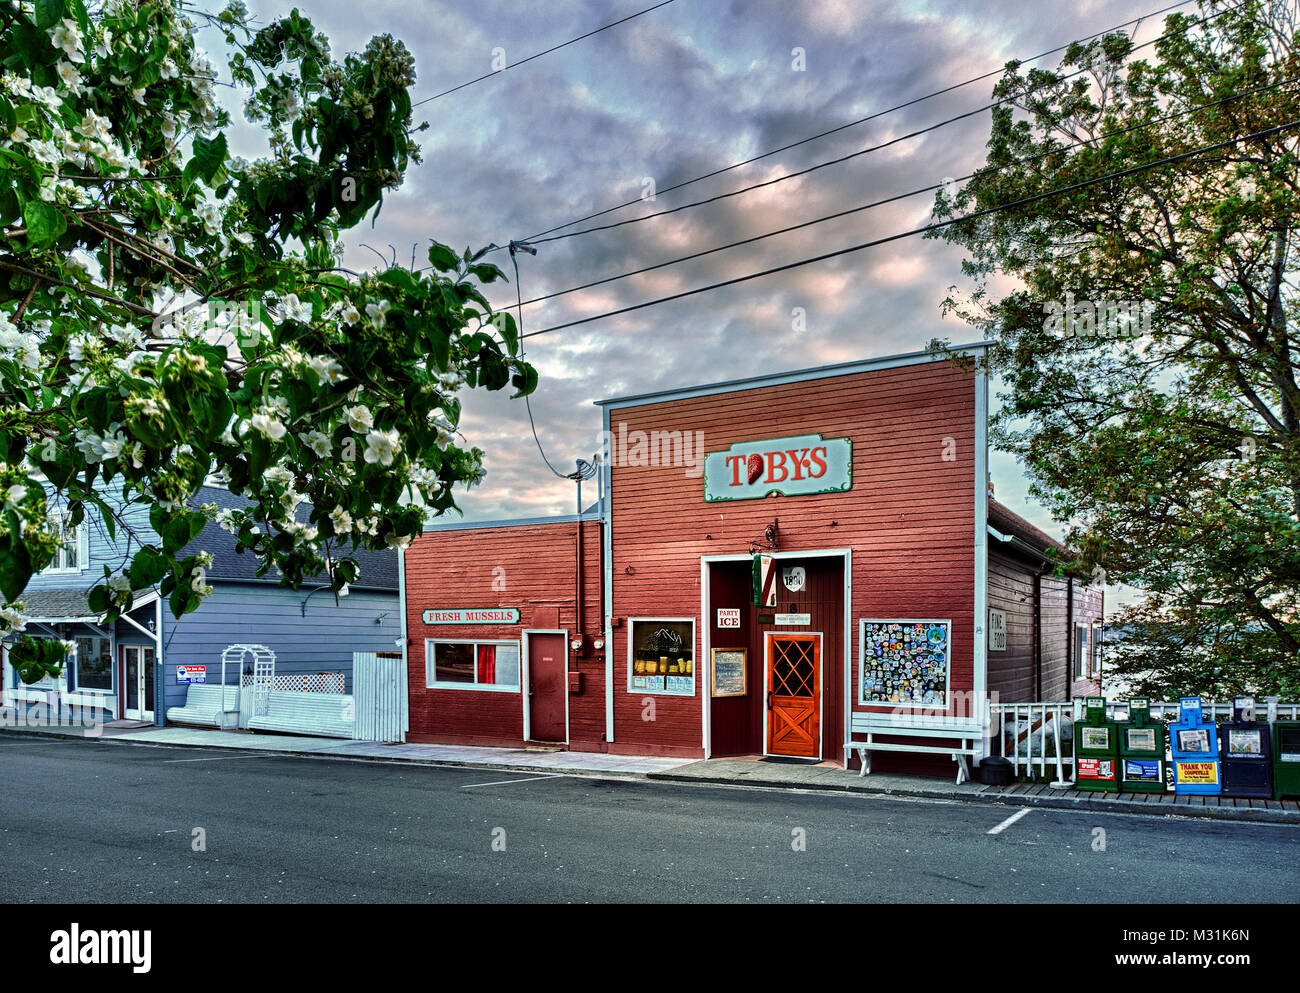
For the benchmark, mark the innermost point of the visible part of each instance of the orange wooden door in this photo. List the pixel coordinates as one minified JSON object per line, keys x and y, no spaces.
{"x":793,"y":694}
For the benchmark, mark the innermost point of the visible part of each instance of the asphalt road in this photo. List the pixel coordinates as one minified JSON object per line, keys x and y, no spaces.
{"x":106,"y":822}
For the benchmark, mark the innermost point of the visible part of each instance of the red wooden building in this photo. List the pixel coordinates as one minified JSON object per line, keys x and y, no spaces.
{"x":775,"y":566}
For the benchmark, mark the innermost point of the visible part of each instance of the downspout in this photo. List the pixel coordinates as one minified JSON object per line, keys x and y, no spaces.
{"x":159,"y":690}
{"x":577,"y":578}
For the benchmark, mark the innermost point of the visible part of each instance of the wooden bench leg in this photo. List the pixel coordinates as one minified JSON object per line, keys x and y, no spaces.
{"x":963,"y":771}
{"x":864,"y":758}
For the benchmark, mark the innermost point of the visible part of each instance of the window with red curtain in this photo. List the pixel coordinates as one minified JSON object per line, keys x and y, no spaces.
{"x":487,"y":664}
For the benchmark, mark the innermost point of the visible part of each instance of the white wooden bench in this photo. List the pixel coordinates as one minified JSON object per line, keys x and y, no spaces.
{"x":203,"y":705}
{"x":927,"y":731}
{"x":328,"y":714}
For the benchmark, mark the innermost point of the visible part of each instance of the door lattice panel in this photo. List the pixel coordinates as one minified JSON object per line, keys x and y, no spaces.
{"x":794,"y":668}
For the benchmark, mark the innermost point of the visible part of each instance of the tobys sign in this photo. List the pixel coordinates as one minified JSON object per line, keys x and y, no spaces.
{"x":794,"y":466}
{"x":484,"y":615}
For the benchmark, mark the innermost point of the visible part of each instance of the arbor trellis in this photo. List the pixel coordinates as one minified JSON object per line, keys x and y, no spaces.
{"x":167,"y":310}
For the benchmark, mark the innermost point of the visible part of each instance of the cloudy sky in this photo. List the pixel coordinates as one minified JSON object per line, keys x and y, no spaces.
{"x":668,"y":96}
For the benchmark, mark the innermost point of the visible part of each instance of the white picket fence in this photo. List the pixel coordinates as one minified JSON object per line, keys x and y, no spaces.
{"x":1039,"y":737}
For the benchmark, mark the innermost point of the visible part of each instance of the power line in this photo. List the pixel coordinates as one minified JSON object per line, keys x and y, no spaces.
{"x":911,"y":193}
{"x":554,"y":48}
{"x":535,"y":240}
{"x":1182,"y":156}
{"x":528,"y":404}
{"x":869,"y":117}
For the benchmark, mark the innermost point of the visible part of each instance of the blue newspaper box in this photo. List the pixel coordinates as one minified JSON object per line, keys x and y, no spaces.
{"x":1194,"y":745}
{"x":1246,"y":753}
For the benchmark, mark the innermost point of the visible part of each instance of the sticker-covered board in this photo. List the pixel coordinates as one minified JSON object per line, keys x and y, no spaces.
{"x":904,"y":662}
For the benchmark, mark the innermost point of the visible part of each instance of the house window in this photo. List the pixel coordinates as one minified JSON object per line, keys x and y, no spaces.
{"x":471,"y":665}
{"x":1096,"y":650}
{"x":73,"y":552}
{"x":94,"y":668}
{"x":1081,"y":653}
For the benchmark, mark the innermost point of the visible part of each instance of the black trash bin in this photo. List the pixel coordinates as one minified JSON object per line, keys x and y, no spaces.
{"x":996,"y":771}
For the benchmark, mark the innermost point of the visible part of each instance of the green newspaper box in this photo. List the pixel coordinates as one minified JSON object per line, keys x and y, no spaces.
{"x":1286,"y":760}
{"x":1141,"y":750}
{"x":1096,"y":749}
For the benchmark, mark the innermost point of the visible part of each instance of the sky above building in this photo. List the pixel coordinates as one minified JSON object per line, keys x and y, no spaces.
{"x":668,"y":96}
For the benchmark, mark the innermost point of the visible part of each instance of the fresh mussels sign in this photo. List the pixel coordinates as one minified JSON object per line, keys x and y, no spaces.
{"x":485,"y":615}
{"x":793,"y":466}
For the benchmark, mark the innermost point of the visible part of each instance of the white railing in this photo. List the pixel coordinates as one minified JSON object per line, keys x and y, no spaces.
{"x":1035,"y":735}
{"x":1040,"y":736}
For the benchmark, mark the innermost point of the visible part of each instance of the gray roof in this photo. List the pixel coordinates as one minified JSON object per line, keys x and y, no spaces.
{"x":48,"y":605}
{"x":378,"y":569}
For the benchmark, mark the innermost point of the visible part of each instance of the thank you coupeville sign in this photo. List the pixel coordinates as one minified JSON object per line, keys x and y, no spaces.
{"x":793,"y":466}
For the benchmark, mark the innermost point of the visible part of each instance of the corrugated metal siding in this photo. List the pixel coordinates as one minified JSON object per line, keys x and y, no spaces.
{"x":530,"y":567}
{"x":909,"y":517}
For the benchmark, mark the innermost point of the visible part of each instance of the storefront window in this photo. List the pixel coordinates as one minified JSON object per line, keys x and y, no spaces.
{"x":94,"y":664}
{"x":661,"y":655}
{"x":485,"y":665}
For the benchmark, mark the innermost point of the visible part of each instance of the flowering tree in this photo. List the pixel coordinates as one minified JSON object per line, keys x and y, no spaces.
{"x":168,"y":311}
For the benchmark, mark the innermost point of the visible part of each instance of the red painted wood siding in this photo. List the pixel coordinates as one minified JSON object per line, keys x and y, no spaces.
{"x":532,"y":567}
{"x":910,"y":516}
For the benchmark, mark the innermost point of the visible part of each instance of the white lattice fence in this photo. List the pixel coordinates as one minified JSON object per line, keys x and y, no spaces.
{"x":316,"y":682}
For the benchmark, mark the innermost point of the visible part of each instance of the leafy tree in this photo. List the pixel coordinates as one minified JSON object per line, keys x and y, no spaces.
{"x":168,"y":310}
{"x":1148,"y":352}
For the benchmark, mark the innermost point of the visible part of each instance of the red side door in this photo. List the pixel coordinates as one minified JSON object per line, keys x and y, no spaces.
{"x":547,"y":687}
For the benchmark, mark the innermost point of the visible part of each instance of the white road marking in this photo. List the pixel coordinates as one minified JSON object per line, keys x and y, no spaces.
{"x":505,"y":782}
{"x":1009,"y":821}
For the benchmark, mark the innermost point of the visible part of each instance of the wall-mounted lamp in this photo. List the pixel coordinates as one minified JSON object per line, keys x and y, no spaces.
{"x":303,"y":606}
{"x":380,"y":618}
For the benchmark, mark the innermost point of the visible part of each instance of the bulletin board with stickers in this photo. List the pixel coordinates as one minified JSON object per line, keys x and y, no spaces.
{"x":904,"y":662}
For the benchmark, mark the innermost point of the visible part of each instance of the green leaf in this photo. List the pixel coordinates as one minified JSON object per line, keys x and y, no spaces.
{"x":49,"y":12}
{"x":45,"y":223}
{"x":210,"y":155}
{"x":442,"y":258}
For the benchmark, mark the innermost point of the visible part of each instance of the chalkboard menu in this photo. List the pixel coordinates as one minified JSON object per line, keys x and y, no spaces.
{"x":729,"y":671}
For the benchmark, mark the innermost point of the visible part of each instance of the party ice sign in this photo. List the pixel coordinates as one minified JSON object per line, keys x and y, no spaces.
{"x":794,"y":466}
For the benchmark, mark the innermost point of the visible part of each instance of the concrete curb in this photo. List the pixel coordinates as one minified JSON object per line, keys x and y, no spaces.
{"x":125,"y":739}
{"x":1073,"y":802}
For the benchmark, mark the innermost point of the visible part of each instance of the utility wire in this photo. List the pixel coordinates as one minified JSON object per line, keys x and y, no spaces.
{"x":528,"y":405}
{"x":864,"y":120}
{"x":554,"y":48}
{"x":938,"y":225}
{"x":917,"y":192}
{"x":820,"y":165}
{"x":537,"y":239}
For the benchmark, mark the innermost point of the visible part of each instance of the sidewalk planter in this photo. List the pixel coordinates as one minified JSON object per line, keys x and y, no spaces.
{"x":768,"y":564}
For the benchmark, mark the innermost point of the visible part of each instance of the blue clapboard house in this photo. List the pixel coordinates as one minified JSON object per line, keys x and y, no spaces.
{"x":129,"y":669}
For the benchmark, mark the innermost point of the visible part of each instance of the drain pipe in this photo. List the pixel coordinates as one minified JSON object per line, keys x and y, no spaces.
{"x":577,"y":578}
